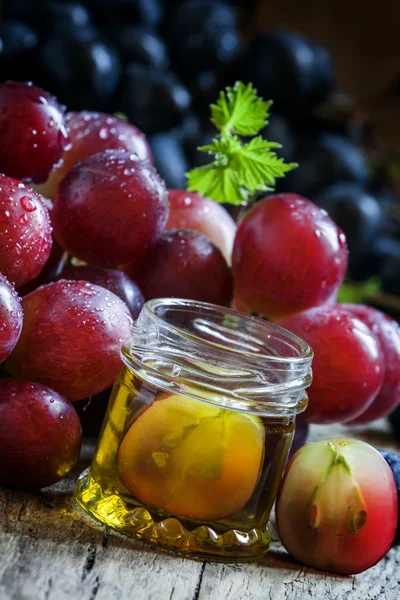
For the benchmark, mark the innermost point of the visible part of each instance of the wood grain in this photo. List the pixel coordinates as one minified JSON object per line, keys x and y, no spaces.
{"x":51,"y":550}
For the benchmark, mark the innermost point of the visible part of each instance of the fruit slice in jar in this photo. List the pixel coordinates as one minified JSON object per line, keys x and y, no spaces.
{"x":192,"y":459}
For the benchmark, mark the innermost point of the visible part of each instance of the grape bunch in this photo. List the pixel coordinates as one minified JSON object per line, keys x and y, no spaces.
{"x":90,"y":229}
{"x":76,"y":269}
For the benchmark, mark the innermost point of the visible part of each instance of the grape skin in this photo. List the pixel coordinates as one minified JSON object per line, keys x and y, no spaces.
{"x":71,"y":338}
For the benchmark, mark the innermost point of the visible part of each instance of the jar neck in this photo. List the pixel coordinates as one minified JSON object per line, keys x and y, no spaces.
{"x":219,"y":356}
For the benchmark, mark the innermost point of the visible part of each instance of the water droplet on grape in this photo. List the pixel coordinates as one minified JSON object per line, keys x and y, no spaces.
{"x":27,"y":203}
{"x":103,"y":133}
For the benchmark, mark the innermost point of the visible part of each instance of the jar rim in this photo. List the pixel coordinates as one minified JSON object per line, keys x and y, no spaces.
{"x":305,"y":352}
{"x":219,"y":355}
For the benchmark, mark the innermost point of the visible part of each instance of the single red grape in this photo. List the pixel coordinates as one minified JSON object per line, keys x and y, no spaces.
{"x":288,"y":256}
{"x":337,"y":506}
{"x":71,"y":338}
{"x":116,"y":281}
{"x":32,"y":131}
{"x":348,"y":363}
{"x":184,"y":264}
{"x":387,"y":331}
{"x":189,"y":210}
{"x":10,"y":318}
{"x":25,"y":232}
{"x":91,"y":133}
{"x":110,"y":209}
{"x":40,"y":435}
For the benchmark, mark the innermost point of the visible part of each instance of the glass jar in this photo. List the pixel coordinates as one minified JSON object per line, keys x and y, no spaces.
{"x":198,"y":430}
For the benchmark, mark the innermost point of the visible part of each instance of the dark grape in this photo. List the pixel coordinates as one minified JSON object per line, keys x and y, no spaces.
{"x":10,"y":318}
{"x":71,"y":15}
{"x":169,"y":159}
{"x":393,"y":460}
{"x":203,"y":138}
{"x":111,"y":13}
{"x":279,"y":130}
{"x":203,"y":34}
{"x":205,"y":87}
{"x":71,"y":338}
{"x":80,"y":67}
{"x":18,"y":41}
{"x":25,"y":232}
{"x":32,"y":131}
{"x":394,"y":420}
{"x":184,"y":264}
{"x":286,"y":66}
{"x":40,"y":435}
{"x":300,"y":434}
{"x":115,"y":281}
{"x":390,"y":273}
{"x":327,"y":159}
{"x":110,"y":209}
{"x":154,"y":100}
{"x":28,"y":11}
{"x":138,"y":44}
{"x":356,"y":212}
{"x":382,"y":251}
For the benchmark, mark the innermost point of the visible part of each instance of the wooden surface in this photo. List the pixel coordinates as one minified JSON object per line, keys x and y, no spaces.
{"x":50,"y":550}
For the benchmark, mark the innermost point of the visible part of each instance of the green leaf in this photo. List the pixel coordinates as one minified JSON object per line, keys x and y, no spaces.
{"x":259,"y":165}
{"x":239,"y":169}
{"x":239,"y":110}
{"x":217,"y":182}
{"x":358,"y":293}
{"x":121,"y":116}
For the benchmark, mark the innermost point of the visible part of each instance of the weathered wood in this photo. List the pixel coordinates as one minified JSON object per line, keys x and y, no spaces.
{"x":51,"y":550}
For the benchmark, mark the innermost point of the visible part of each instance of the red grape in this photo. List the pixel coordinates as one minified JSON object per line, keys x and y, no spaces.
{"x":116,"y":281}
{"x":32,"y":131}
{"x":337,"y":506}
{"x":91,"y":133}
{"x":25,"y":232}
{"x":40,"y":435}
{"x":288,"y":256}
{"x":348,"y":363}
{"x":184,"y":264}
{"x":71,"y":338}
{"x":110,"y":208}
{"x":189,"y":210}
{"x":10,"y":318}
{"x":387,"y":331}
